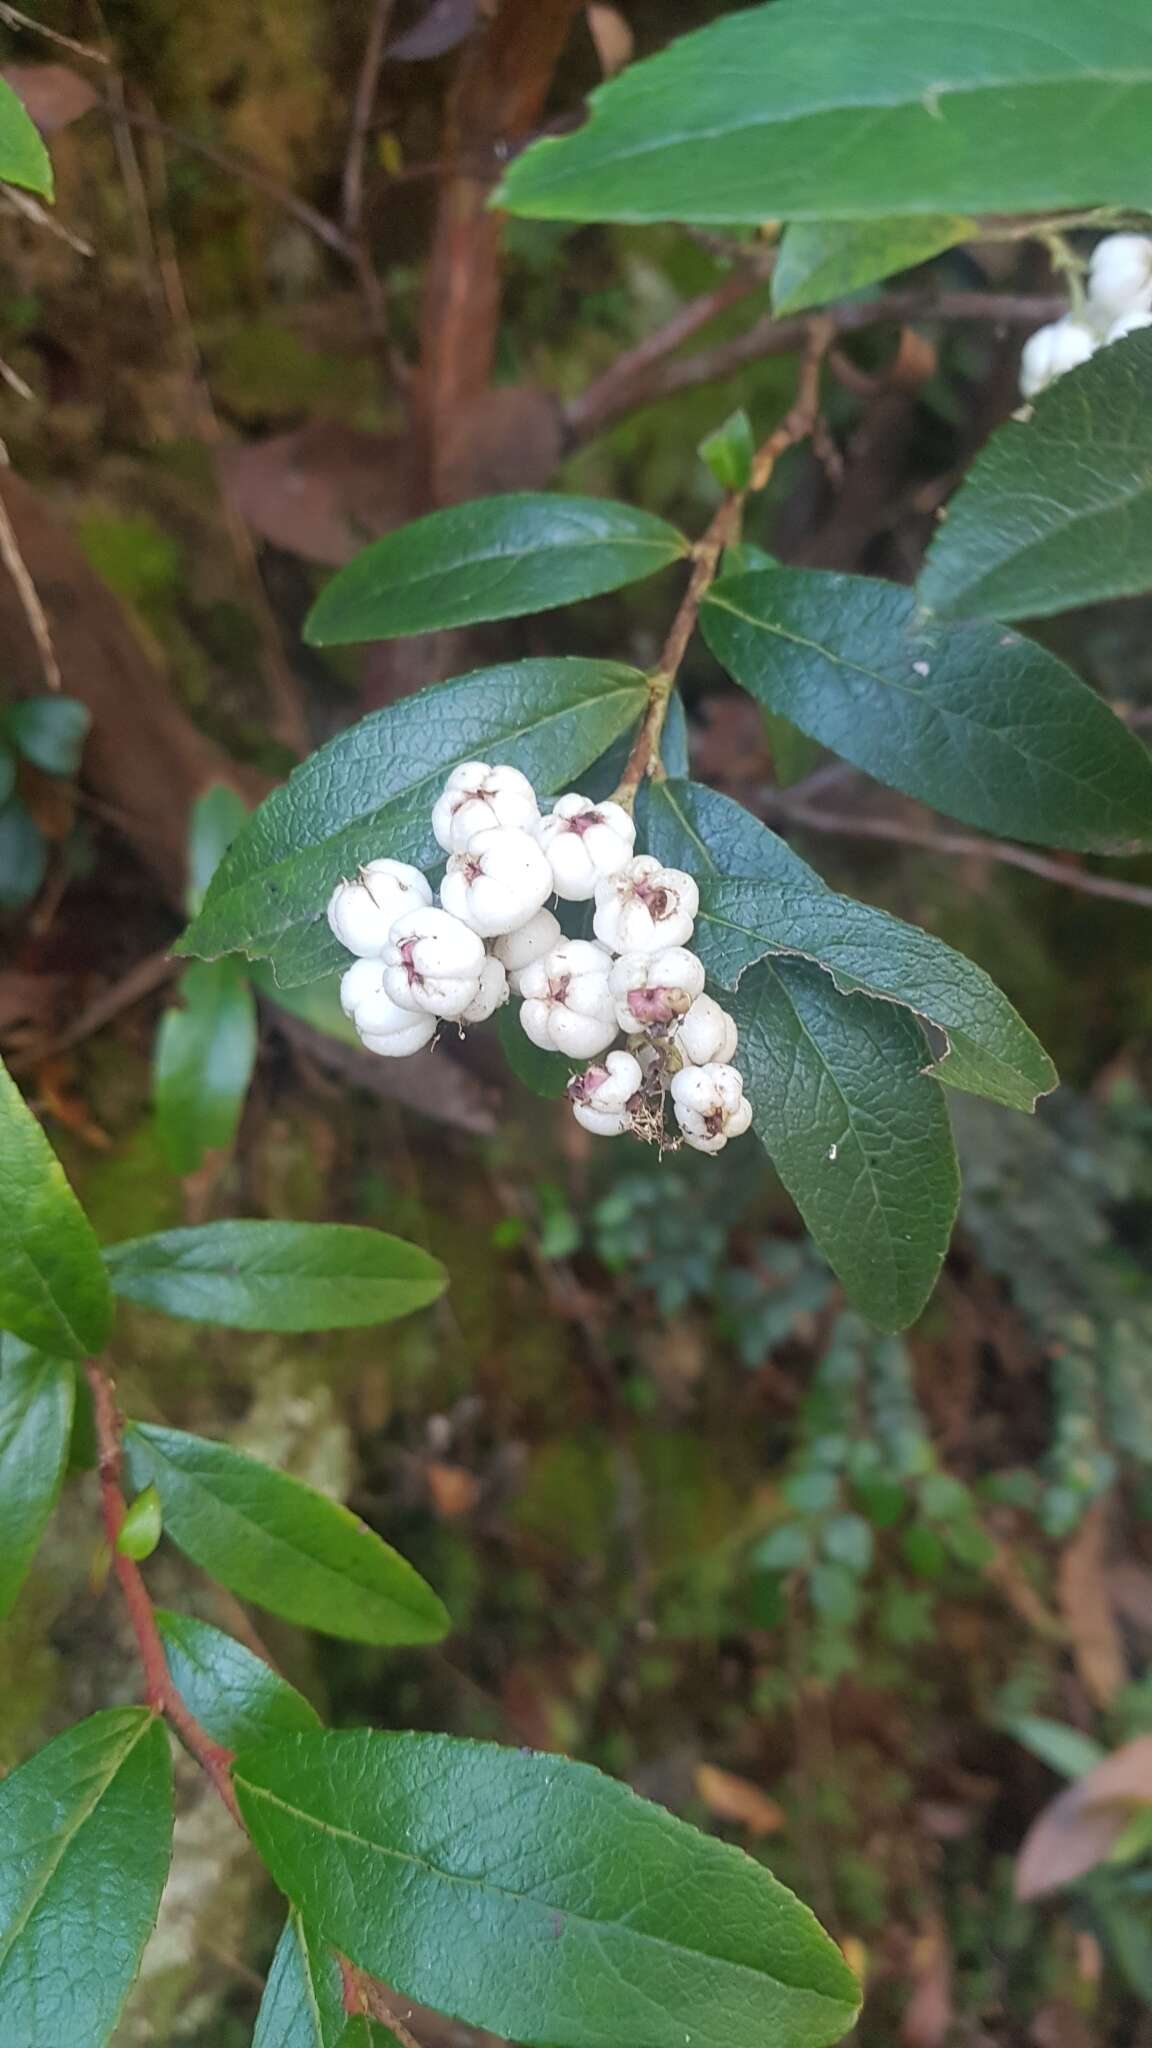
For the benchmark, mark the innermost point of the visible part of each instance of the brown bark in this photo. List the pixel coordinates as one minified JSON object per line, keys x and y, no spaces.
{"x":497,"y":95}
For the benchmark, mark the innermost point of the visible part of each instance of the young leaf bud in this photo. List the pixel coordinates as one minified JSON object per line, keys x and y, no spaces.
{"x":361,"y":913}
{"x":477,"y":796}
{"x":432,"y":962}
{"x":584,"y":842}
{"x":601,"y":1096}
{"x":499,"y":884}
{"x":645,"y":907}
{"x":651,"y":990}
{"x":567,"y":1003}
{"x":707,"y":1035}
{"x":517,"y":950}
{"x":710,"y":1106}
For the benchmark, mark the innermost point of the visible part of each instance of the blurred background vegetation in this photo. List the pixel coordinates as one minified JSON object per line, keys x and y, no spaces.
{"x":861,"y":1605}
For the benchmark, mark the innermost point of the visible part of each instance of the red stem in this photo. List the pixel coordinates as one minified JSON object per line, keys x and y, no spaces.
{"x":160,"y":1693}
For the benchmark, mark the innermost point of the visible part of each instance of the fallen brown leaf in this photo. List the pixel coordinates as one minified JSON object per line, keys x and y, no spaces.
{"x":1087,"y":1608}
{"x":1077,"y":1830}
{"x":322,"y":491}
{"x":454,"y":1490}
{"x":53,"y":94}
{"x":731,"y":1798}
{"x":612,"y":36}
{"x":929,"y":2013}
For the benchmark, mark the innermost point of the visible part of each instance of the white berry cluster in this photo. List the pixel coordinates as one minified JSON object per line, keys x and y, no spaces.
{"x":492,"y":934}
{"x":1117,"y":300}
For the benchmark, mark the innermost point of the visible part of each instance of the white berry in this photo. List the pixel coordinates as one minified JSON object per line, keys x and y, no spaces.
{"x":651,"y":990}
{"x":433,"y":963}
{"x":1053,"y":350}
{"x":585,"y":841}
{"x":499,"y":883}
{"x":1128,"y":323}
{"x":362,"y":913}
{"x":476,"y":796}
{"x":385,"y":1027}
{"x":707,"y":1036}
{"x":493,"y":991}
{"x":645,"y":907}
{"x":601,"y":1096}
{"x":710,"y":1106}
{"x":517,"y":950}
{"x":1120,"y":276}
{"x":567,"y":1001}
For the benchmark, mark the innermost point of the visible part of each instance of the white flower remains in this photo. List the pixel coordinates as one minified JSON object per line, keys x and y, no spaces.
{"x":492,"y":936}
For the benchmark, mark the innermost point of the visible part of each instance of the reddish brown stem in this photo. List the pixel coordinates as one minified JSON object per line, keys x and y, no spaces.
{"x":160,"y":1693}
{"x":721,"y":532}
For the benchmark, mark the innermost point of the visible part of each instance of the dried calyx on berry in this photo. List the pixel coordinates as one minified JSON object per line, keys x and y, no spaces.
{"x":432,"y":962}
{"x":499,"y":883}
{"x":477,"y":796}
{"x":606,"y":1098}
{"x":710,"y":1106}
{"x":652,"y":991}
{"x":585,"y":842}
{"x":645,"y":907}
{"x":567,"y":1004}
{"x":361,"y":913}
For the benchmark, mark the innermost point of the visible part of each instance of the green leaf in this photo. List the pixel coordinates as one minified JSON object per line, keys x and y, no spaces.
{"x":142,"y":1526}
{"x":857,"y":1132}
{"x":54,"y":1292}
{"x":217,"y":817}
{"x":23,"y":856}
{"x":370,"y":792}
{"x":687,"y":825}
{"x":814,"y":110}
{"x":494,"y":558}
{"x":1063,"y":1749}
{"x":303,"y":2002}
{"x":236,"y":1696}
{"x":202,"y":1063}
{"x":532,"y":1896}
{"x":7,"y":772}
{"x":37,"y":1395}
{"x":1057,"y":510}
{"x":729,"y":451}
{"x":276,"y":1541}
{"x":23,"y":157}
{"x":544,"y":1073}
{"x":50,"y":732}
{"x":828,"y":259}
{"x":364,"y":2033}
{"x":276,"y":1276}
{"x":971,"y":718}
{"x":989,"y":1050}
{"x":87,"y":1833}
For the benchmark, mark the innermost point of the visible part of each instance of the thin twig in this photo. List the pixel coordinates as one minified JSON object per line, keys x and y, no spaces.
{"x":26,"y":591}
{"x":608,"y":397}
{"x":249,"y":173}
{"x":141,"y":980}
{"x":364,"y":100}
{"x":957,"y":845}
{"x":611,"y":392}
{"x":16,"y":19}
{"x":15,"y":381}
{"x":31,"y":209}
{"x":721,"y":531}
{"x":160,"y":1693}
